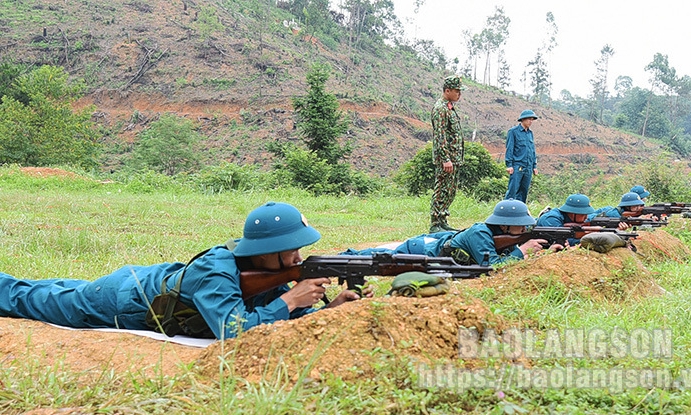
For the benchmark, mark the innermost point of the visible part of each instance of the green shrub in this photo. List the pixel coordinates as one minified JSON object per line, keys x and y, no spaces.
{"x":417,"y":174}
{"x":306,"y":170}
{"x":167,"y":146}
{"x":148,"y":181}
{"x":228,"y":176}
{"x":666,"y":181}
{"x":491,"y":189}
{"x":37,"y":124}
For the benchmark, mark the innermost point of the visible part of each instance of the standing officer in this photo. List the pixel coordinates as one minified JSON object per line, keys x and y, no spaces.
{"x":521,"y":161}
{"x":447,"y":153}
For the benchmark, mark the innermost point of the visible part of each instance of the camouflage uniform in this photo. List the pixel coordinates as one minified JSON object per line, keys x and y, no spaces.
{"x":447,"y":146}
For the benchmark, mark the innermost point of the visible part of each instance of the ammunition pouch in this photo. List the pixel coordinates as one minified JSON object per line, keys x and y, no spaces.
{"x":460,"y":256}
{"x":171,"y":316}
{"x":602,"y":241}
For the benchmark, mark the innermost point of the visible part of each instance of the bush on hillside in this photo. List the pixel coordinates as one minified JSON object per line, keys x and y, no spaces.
{"x":167,"y":146}
{"x":228,"y":176}
{"x":417,"y":174}
{"x":38,"y":126}
{"x":306,"y":170}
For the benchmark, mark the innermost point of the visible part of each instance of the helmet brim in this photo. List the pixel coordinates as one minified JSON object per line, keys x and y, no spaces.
{"x":586,"y":210}
{"x":510,"y":221}
{"x":266,"y":245}
{"x":632,"y":203}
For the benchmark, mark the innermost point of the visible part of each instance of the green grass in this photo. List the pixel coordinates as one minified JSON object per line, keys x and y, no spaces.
{"x":83,"y":228}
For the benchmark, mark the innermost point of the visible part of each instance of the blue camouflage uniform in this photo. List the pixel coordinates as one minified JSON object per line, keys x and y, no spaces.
{"x":211,"y":286}
{"x":477,"y":241}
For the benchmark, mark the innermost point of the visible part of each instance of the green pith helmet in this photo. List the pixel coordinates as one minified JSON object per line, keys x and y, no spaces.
{"x":275,"y":227}
{"x":578,"y":204}
{"x":453,"y":82}
{"x":511,"y":213}
{"x":631,"y":199}
{"x":641,"y":191}
{"x":527,"y":114}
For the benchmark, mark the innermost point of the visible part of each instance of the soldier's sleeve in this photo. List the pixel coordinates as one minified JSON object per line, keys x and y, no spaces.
{"x":534,"y":155}
{"x":508,"y":157}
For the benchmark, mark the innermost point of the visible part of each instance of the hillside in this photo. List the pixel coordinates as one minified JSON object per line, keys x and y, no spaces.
{"x":233,"y":70}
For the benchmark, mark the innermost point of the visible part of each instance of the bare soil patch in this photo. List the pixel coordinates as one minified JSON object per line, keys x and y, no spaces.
{"x":47,"y":172}
{"x":87,"y":352}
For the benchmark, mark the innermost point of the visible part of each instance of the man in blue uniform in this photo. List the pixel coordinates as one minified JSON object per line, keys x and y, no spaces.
{"x":272,"y":237}
{"x":474,"y":245}
{"x":641,"y":192}
{"x":575,"y":210}
{"x":520,"y":158}
{"x":630,"y":202}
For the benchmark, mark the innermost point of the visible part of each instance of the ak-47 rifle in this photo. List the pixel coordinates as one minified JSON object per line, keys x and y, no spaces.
{"x":354,"y":268}
{"x":608,"y":222}
{"x":660,"y":210}
{"x":554,"y":235}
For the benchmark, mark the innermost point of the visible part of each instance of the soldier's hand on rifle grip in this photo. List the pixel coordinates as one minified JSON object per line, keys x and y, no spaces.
{"x":349,"y":295}
{"x":532,"y":246}
{"x":623,"y":226}
{"x":558,"y":247}
{"x":305,"y":293}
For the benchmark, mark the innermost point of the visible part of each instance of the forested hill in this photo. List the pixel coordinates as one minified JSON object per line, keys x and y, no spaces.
{"x":232,"y":66}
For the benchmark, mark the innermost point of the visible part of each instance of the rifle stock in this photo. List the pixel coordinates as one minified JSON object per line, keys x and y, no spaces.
{"x":354,"y":268}
{"x":255,"y":282}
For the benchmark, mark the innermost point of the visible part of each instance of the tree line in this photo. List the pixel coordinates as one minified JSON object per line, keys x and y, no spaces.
{"x":662,"y":111}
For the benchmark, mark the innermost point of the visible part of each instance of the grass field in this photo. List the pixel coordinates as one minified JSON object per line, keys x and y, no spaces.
{"x":79,"y":227}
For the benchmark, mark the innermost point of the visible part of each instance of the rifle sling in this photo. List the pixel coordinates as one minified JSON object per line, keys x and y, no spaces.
{"x":176,"y":317}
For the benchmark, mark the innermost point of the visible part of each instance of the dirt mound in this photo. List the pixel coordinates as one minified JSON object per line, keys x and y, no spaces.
{"x":659,"y":245}
{"x":343,"y":341}
{"x":617,"y":275}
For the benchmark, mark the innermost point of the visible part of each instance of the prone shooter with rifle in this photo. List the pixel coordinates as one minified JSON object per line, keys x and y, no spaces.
{"x":474,"y":246}
{"x":510,"y":218}
{"x":200,"y":298}
{"x":629,"y":213}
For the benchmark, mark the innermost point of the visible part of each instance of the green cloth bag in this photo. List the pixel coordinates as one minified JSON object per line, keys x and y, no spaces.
{"x":418,"y":284}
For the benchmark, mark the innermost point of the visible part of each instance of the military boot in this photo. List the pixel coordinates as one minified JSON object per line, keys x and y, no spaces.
{"x":436,"y":228}
{"x":446,"y":227}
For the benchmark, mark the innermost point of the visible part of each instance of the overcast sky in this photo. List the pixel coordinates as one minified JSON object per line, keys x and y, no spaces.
{"x":635,"y":30}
